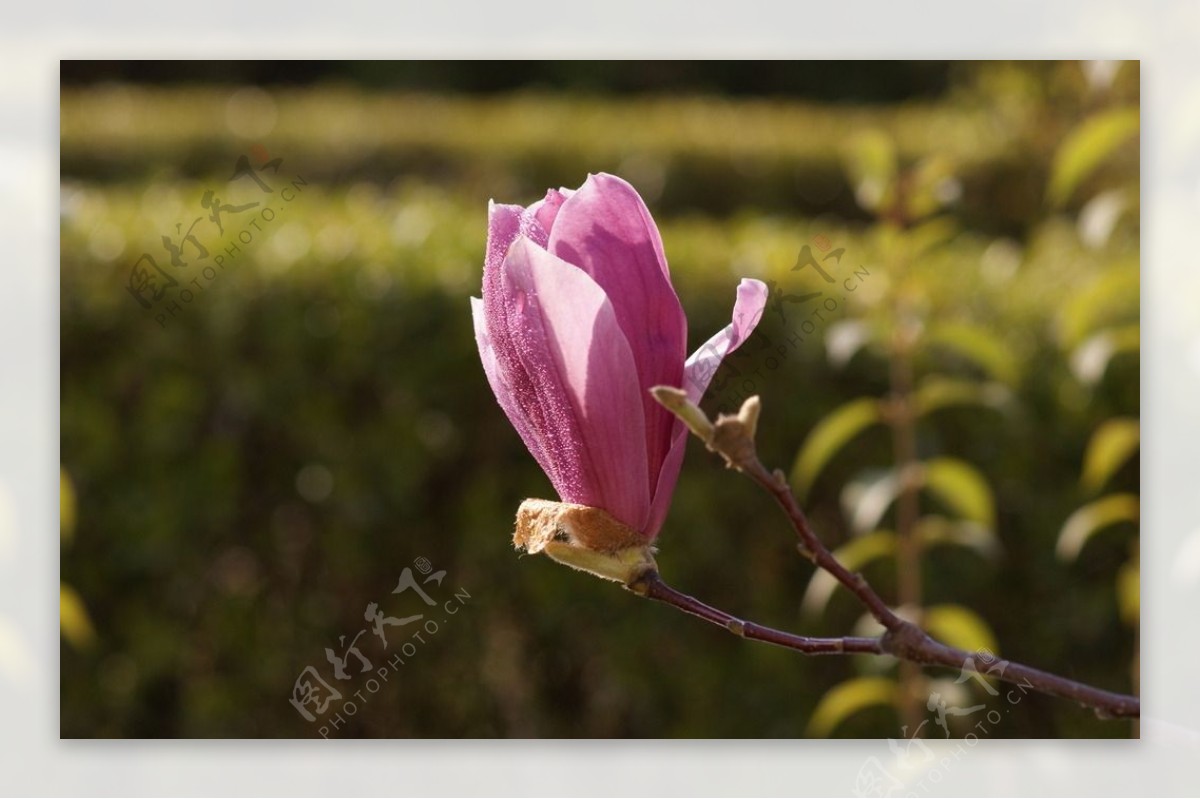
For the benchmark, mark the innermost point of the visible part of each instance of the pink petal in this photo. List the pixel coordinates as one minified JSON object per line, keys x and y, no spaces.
{"x":747,"y":311}
{"x":545,"y":211}
{"x":703,"y":364}
{"x":581,"y":375}
{"x":606,"y":230}
{"x":503,"y":390}
{"x":667,"y":477}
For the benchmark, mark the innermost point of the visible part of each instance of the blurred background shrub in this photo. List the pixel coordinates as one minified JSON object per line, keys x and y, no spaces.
{"x":246,"y":474}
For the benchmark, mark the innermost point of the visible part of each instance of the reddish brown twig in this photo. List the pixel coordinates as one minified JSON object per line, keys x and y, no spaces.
{"x":733,"y":438}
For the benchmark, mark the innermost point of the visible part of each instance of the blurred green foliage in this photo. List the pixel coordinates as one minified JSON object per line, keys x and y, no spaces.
{"x":247,"y":477}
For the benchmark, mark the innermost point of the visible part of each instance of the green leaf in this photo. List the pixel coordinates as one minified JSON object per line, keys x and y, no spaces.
{"x":844,"y":700}
{"x":1110,"y":447}
{"x":830,"y":435}
{"x":854,"y":555}
{"x":844,"y":339}
{"x":66,"y":506}
{"x":961,"y":487}
{"x":931,"y":185}
{"x":866,"y":498}
{"x":936,"y":531}
{"x":1111,"y":299}
{"x":1090,"y":360}
{"x":978,"y":345}
{"x":1129,"y":588}
{"x":1086,"y":147}
{"x":959,"y":626}
{"x":73,"y":618}
{"x":936,"y":393}
{"x":870,"y":161}
{"x":930,"y":233}
{"x":1092,"y":518}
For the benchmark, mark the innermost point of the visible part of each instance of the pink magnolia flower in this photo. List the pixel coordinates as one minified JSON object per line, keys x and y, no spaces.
{"x":578,"y":321}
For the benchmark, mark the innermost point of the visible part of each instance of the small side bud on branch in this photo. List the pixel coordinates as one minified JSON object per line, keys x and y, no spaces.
{"x":733,"y":436}
{"x":676,"y":401}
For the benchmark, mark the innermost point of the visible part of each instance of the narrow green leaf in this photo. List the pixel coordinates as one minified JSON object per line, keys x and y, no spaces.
{"x":978,"y":345}
{"x":73,"y":617}
{"x":1111,"y":299}
{"x":844,"y":339}
{"x":830,"y":435}
{"x":854,"y":555}
{"x":931,"y":185}
{"x":66,"y":506}
{"x":936,"y":393}
{"x":960,"y":486}
{"x":1092,"y":518}
{"x":959,"y":626}
{"x":866,"y":498}
{"x":1090,"y":360}
{"x":1109,"y":448}
{"x":1129,"y":589}
{"x":931,"y":233}
{"x":870,"y":159}
{"x":844,"y":700}
{"x":1086,"y":147}
{"x":939,"y":531}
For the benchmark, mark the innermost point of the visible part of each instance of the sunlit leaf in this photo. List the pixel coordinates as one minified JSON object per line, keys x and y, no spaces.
{"x":843,"y":701}
{"x":1090,"y":360}
{"x":73,"y":618}
{"x":950,"y":693}
{"x":959,"y":626}
{"x":830,"y":435}
{"x":870,"y":160}
{"x":1086,"y":147}
{"x":929,"y":234}
{"x":1092,"y":518}
{"x":936,"y":393}
{"x":939,"y":531}
{"x":1129,"y":589}
{"x":1110,"y":447}
{"x":1112,"y":298}
{"x":66,"y":506}
{"x":983,"y":347}
{"x":854,"y":555}
{"x":1099,"y":217}
{"x":866,"y":498}
{"x":931,"y":186}
{"x":843,"y":340}
{"x":960,"y":486}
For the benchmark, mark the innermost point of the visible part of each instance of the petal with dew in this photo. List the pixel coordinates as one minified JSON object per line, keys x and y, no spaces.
{"x":581,"y":365}
{"x":545,"y":211}
{"x":505,"y":395}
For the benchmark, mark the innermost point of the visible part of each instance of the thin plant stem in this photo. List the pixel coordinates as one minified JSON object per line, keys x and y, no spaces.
{"x":908,"y":642}
{"x":902,"y":420}
{"x":733,"y":437}
{"x":651,"y":585}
